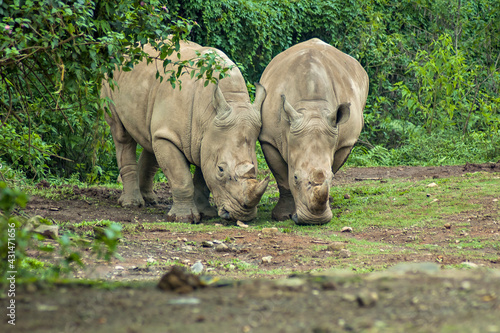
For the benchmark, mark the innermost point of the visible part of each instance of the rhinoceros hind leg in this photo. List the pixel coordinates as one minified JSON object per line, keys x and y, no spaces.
{"x":147,"y":170}
{"x":125,"y":147}
{"x":201,"y":196}
{"x":176,"y":167}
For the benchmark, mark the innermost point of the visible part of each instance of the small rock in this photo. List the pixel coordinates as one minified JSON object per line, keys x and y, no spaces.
{"x":329,"y":285}
{"x":267,"y":259}
{"x":347,"y":196}
{"x":207,"y":244}
{"x":346,"y":229}
{"x":349,"y":297}
{"x":292,"y":284}
{"x":465,"y":285}
{"x":367,"y":298}
{"x":447,"y":226}
{"x":272,"y":230}
{"x":221,"y":247}
{"x":184,"y":301}
{"x":150,"y":260}
{"x":215,"y":241}
{"x":432,"y":185}
{"x":241,"y":224}
{"x":197,"y":268}
{"x":178,"y":280}
{"x":335,"y":246}
{"x":469,"y":264}
{"x":345,"y":253}
{"x":119,"y":268}
{"x":50,"y":231}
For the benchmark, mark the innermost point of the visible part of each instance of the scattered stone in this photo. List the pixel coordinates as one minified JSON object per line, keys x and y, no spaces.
{"x":272,"y":230}
{"x":346,"y":229}
{"x":267,"y":259}
{"x":447,"y":226}
{"x":465,"y":285}
{"x":178,"y":280}
{"x":336,"y":246}
{"x":293,"y":284}
{"x":432,"y":185}
{"x":150,"y":260}
{"x":420,"y":267}
{"x":197,"y":268}
{"x":428,"y":195}
{"x":469,"y":264}
{"x":347,"y":196}
{"x":241,"y":224}
{"x":329,"y":285}
{"x":435,"y":200}
{"x":345,"y":253}
{"x":119,"y":268}
{"x":207,"y":244}
{"x":49,"y":231}
{"x":184,"y":301}
{"x":222,"y":248}
{"x":349,"y":297}
{"x":367,"y":298}
{"x":215,"y":241}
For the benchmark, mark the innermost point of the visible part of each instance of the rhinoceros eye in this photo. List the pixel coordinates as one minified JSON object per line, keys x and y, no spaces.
{"x":221,"y":169}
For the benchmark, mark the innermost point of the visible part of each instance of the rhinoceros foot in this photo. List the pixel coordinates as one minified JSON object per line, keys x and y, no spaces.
{"x":181,"y":213}
{"x":150,"y":198}
{"x":283,"y":210}
{"x":130,"y":201}
{"x":209,"y":212}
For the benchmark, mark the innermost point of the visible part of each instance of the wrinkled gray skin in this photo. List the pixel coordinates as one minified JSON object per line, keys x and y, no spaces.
{"x":311,"y":118}
{"x":214,"y":128}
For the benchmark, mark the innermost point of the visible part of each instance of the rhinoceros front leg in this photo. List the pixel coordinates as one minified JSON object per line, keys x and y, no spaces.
{"x":125,"y":147}
{"x":175,"y":166}
{"x":285,"y":208}
{"x":202,"y":194}
{"x":147,"y":170}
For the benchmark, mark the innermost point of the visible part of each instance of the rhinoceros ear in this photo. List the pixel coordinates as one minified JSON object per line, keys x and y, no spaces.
{"x":260,"y":96}
{"x":341,"y":116}
{"x":291,"y":115}
{"x":221,"y":107}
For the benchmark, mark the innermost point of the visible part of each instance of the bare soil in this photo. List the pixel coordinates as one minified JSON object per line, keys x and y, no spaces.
{"x":415,"y":298}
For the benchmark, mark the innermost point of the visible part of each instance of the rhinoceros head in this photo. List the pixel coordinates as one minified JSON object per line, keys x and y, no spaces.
{"x":312,"y":140}
{"x":228,"y":159}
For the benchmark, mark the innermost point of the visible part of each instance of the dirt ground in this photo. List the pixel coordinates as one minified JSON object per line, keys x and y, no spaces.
{"x":413,"y":295}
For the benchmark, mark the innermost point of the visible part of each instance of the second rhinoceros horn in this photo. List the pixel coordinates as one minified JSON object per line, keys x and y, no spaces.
{"x":255,"y":192}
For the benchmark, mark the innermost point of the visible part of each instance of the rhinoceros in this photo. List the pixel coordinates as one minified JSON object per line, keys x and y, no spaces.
{"x":214,"y":128}
{"x":311,"y":119}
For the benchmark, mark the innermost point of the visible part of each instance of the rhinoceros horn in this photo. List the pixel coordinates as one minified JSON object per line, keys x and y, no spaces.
{"x":255,"y":192}
{"x":319,"y":196}
{"x":222,"y":108}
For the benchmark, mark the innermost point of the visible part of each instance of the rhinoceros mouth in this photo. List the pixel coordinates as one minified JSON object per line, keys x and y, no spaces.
{"x":237,"y":213}
{"x":304,"y":216}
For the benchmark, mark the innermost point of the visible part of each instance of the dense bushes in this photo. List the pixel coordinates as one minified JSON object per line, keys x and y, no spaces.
{"x":433,"y":67}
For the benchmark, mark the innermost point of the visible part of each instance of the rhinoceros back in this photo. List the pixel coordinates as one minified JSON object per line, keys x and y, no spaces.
{"x":148,"y":107}
{"x":308,"y":71}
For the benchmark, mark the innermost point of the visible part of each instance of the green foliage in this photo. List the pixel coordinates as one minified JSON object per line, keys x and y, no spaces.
{"x":53,"y":58}
{"x":447,"y":92}
{"x":17,"y":236}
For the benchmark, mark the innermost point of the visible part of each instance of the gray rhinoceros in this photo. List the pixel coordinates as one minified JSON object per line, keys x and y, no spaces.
{"x":311,"y":118}
{"x":214,"y":128}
